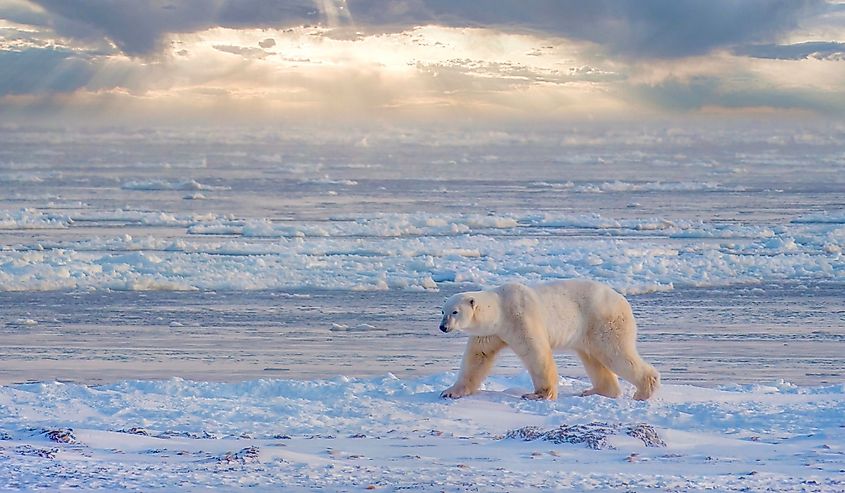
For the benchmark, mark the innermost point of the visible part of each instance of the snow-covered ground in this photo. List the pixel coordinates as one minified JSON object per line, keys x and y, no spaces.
{"x":390,"y":434}
{"x":258,"y":307}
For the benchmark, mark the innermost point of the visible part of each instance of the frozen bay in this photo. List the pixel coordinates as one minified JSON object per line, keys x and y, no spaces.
{"x":258,"y":307}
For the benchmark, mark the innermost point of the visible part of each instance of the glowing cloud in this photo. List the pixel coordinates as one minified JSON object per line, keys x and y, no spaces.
{"x":229,"y":60}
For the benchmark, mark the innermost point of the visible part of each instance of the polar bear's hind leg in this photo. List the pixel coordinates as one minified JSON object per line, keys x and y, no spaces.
{"x":604,"y":381}
{"x":622,"y":357}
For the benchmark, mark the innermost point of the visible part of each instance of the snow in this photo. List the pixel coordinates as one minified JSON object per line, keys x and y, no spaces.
{"x":153,"y":185}
{"x":396,"y":434}
{"x":415,"y":251}
{"x":32,"y":219}
{"x":620,"y":186}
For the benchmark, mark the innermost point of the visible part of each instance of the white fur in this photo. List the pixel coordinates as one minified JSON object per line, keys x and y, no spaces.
{"x":584,"y":316}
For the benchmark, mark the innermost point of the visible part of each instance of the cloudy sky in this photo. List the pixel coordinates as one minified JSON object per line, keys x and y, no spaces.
{"x":224,"y":61}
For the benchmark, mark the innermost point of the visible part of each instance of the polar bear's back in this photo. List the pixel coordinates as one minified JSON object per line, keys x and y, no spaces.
{"x":593,"y":296}
{"x":574,"y":307}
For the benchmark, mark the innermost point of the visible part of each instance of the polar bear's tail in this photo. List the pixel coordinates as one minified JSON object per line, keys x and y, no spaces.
{"x":648,"y":384}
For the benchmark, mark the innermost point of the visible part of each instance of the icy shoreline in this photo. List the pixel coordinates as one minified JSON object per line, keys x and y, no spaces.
{"x":702,"y":336}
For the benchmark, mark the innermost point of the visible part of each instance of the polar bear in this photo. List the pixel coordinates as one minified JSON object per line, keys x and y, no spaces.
{"x":581,"y":315}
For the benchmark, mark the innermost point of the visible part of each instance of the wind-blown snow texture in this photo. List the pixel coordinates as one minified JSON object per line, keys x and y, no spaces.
{"x":390,"y":434}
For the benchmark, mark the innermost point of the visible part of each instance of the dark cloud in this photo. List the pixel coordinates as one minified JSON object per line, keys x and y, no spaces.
{"x":820,"y":50}
{"x":22,"y":13}
{"x":637,"y":28}
{"x":43,"y":71}
{"x":138,"y":26}
{"x":702,"y":92}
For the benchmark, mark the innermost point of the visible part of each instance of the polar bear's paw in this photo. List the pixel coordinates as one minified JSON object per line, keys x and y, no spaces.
{"x":455,"y":392}
{"x":609,"y":392}
{"x":542,"y":394}
{"x":648,"y":384}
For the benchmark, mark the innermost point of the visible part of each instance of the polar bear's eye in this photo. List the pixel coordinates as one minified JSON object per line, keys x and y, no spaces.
{"x":455,"y":312}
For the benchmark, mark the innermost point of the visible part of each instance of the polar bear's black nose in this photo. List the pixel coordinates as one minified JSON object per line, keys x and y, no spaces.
{"x":443,"y":328}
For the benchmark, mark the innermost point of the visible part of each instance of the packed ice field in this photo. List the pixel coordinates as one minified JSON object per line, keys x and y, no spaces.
{"x":160,"y":211}
{"x":232,"y":308}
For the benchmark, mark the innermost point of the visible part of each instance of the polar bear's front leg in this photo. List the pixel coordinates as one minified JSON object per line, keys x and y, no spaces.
{"x":536,"y":354}
{"x":478,"y":360}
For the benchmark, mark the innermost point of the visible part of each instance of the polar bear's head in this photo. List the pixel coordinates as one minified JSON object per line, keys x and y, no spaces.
{"x":459,"y":313}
